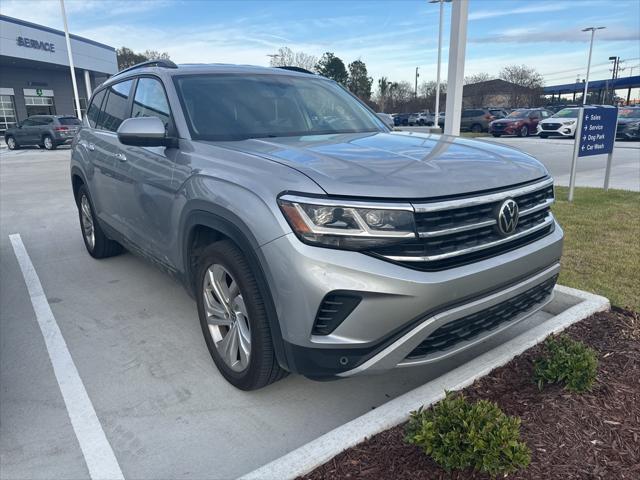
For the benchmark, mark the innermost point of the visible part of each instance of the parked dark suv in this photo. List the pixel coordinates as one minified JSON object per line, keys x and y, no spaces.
{"x":522,"y":122}
{"x":47,"y":131}
{"x":313,"y":238}
{"x":477,"y":119}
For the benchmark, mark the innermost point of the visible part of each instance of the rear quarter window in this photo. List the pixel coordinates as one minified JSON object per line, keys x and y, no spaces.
{"x":94,"y":109}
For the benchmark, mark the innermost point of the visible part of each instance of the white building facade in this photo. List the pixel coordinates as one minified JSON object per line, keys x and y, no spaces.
{"x":34,"y":70}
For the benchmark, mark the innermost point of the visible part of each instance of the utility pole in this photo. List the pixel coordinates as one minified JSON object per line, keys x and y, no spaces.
{"x":614,"y":75}
{"x":69,"y":54}
{"x":586,"y":81}
{"x":416,"y":89}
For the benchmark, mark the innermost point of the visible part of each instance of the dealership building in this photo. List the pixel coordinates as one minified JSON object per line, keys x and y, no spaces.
{"x":35,"y":78}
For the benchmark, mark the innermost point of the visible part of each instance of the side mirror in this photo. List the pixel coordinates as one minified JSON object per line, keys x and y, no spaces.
{"x":144,"y":132}
{"x":386,"y":119}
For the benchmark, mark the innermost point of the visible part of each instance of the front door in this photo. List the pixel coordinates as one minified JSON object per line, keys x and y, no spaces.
{"x":145,"y":175}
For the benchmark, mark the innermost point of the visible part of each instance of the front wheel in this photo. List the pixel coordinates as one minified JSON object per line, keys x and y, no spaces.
{"x":524,"y":131}
{"x":11,"y":143}
{"x":476,"y":128}
{"x":234,"y":318}
{"x":48,"y":143}
{"x":497,"y":135}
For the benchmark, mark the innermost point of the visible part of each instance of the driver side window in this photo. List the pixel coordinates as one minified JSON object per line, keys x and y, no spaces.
{"x":151,"y":101}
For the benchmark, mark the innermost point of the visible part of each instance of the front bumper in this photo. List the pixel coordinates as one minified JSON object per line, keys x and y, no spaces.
{"x":625,"y":132}
{"x":400,"y":307}
{"x":505,"y":130}
{"x":563,"y":131}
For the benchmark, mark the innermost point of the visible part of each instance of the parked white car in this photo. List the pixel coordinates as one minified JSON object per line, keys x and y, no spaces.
{"x":562,"y":124}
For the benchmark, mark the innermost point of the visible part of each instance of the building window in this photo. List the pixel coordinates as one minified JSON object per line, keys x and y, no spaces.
{"x":7,"y":112}
{"x":39,"y":106}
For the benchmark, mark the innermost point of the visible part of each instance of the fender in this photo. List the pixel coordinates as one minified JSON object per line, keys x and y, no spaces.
{"x":234,"y":228}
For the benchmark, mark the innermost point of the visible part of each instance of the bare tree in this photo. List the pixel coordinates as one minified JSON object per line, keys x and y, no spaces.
{"x":527,"y":84}
{"x":285,"y":57}
{"x":478,"y":78}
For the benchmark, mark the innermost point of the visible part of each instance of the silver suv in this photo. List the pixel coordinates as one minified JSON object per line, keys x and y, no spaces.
{"x":313,"y":239}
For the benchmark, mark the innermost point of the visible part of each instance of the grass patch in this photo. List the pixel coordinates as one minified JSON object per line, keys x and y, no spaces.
{"x":602,"y":243}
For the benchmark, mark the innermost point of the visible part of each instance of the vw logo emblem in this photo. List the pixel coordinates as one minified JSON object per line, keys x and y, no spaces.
{"x":508,"y":216}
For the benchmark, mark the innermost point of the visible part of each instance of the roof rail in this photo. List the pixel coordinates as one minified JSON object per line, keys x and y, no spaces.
{"x":150,"y":63}
{"x":296,"y":69}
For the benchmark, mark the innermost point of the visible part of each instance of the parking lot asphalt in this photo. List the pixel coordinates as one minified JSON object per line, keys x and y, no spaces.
{"x":134,"y":337}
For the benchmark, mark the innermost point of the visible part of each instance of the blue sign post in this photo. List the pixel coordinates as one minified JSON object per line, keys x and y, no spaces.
{"x":595,"y":135}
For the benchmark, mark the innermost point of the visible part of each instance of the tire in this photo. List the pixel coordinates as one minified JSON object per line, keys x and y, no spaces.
{"x":524,"y":131}
{"x":222,"y":267}
{"x":497,"y":135}
{"x":476,"y":128}
{"x":97,"y":243}
{"x":11,"y":143}
{"x":48,"y":143}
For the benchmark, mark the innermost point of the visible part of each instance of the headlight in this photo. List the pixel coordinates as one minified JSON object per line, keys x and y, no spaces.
{"x":633,"y":124}
{"x":347,"y":225}
{"x":569,"y":122}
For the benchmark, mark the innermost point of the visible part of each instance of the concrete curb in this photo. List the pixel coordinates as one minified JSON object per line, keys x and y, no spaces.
{"x":569,"y":306}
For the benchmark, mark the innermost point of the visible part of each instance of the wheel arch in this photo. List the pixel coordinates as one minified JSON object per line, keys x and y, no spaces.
{"x":199,"y":228}
{"x":77,"y":180}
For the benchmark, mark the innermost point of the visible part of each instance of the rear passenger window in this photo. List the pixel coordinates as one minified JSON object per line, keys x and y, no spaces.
{"x":94,"y":108}
{"x":115,"y":109}
{"x":151,"y":101}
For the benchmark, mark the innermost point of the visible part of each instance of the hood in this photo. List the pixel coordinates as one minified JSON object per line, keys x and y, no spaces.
{"x":509,"y":120}
{"x":398,"y":164}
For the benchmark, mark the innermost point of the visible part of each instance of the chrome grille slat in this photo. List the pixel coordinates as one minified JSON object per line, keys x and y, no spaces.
{"x":454,"y":232}
{"x":430,"y":258}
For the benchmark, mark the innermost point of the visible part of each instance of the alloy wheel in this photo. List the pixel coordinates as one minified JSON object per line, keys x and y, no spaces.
{"x":227,"y":317}
{"x":87,"y":222}
{"x":11,"y":143}
{"x":48,"y":143}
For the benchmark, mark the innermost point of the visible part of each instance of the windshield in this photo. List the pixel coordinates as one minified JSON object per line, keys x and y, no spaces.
{"x":567,"y":113}
{"x":629,"y":113}
{"x":518,"y":114}
{"x":236,"y":107}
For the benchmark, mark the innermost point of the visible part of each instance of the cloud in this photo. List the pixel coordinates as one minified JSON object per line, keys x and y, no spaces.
{"x":614,"y":33}
{"x":544,"y":8}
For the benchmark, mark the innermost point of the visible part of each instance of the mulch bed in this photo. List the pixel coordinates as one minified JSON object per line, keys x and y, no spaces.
{"x":571,"y":436}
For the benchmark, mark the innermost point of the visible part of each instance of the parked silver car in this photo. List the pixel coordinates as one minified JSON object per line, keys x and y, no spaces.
{"x":313,"y":239}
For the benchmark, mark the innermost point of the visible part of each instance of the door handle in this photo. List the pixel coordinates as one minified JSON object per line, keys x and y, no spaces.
{"x":121,"y":156}
{"x":91,"y":146}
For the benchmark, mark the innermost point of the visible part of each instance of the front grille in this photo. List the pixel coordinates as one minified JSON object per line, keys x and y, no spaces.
{"x":469,"y":327}
{"x":461,"y":231}
{"x":551,"y":126}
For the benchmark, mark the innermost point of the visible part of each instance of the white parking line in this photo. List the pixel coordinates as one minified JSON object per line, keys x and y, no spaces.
{"x":98,"y":454}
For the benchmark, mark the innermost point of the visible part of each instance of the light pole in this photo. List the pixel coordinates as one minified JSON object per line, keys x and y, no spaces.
{"x":415,"y":93}
{"x":436,"y":114}
{"x":586,"y":81}
{"x":70,"y":55}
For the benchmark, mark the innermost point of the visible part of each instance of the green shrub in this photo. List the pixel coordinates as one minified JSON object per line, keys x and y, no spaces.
{"x":568,"y":361}
{"x":459,"y":435}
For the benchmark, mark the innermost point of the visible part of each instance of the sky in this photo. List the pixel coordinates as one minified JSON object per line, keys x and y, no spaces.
{"x":392,"y":37}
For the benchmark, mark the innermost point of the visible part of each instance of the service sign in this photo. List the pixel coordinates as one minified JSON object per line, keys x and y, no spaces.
{"x":598,"y":131}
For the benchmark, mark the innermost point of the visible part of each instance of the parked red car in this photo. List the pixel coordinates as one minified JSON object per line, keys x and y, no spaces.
{"x":522,"y":122}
